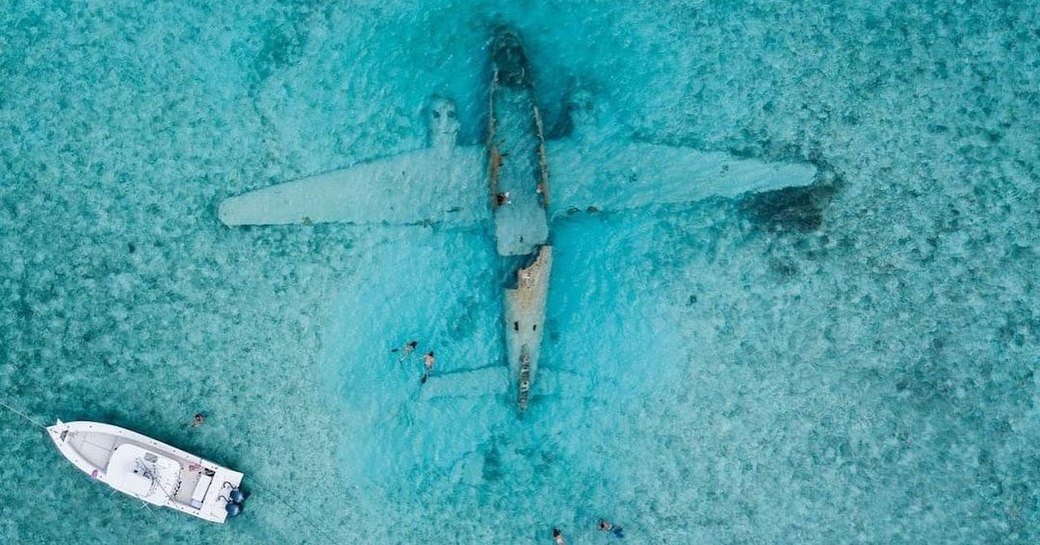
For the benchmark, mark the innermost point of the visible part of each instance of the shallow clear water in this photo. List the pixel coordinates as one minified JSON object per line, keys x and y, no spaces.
{"x":862,"y":370}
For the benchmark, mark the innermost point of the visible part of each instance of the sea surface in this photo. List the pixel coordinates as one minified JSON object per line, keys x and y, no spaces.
{"x":851,"y":363}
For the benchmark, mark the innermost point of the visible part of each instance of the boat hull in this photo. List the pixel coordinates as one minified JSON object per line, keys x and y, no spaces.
{"x":191,"y":485}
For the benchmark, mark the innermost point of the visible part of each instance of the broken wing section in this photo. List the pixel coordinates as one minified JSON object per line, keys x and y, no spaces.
{"x":620,"y":175}
{"x":427,"y":185}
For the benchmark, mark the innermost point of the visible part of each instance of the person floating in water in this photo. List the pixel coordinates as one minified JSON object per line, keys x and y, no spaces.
{"x":428,"y":365}
{"x":198,"y":420}
{"x":606,"y":526}
{"x":406,"y":350}
{"x":558,"y":537}
{"x":502,"y":199}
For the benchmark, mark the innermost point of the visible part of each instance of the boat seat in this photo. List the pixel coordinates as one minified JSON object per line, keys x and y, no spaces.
{"x":201,"y":487}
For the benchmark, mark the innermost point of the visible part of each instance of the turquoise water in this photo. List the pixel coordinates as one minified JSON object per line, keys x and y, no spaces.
{"x":854,"y":363}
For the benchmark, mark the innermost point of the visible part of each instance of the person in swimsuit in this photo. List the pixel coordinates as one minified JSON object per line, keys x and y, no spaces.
{"x":558,"y":537}
{"x":428,"y":365}
{"x":406,"y":350}
{"x":606,"y":526}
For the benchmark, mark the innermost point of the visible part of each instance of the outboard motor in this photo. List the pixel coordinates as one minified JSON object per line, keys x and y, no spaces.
{"x":233,"y":509}
{"x":235,"y":498}
{"x":237,"y":495}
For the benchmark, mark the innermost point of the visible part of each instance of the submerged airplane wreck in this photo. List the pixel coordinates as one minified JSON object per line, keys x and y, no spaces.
{"x":508,"y":181}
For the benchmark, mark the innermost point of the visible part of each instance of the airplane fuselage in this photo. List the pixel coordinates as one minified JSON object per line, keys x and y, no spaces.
{"x":518,"y":174}
{"x":517,"y":168}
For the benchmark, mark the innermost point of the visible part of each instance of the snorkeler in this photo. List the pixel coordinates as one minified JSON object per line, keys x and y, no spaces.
{"x":606,"y":526}
{"x":428,"y":364}
{"x":406,"y":350}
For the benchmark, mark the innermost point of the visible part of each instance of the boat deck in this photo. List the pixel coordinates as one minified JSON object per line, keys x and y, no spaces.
{"x":195,"y":491}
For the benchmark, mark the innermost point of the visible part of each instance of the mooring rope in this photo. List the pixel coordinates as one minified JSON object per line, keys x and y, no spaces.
{"x":270,"y":490}
{"x":23,"y":415}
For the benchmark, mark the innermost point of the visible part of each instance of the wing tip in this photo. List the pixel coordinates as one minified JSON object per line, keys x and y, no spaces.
{"x":226,"y":212}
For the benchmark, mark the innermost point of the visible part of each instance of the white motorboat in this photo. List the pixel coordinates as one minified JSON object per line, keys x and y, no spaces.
{"x":150,"y":470}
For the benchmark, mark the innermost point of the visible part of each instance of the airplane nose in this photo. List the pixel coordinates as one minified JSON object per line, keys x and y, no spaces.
{"x":506,"y":38}
{"x":507,"y":53}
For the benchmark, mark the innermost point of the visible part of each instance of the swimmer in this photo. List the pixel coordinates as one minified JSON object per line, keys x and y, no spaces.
{"x":406,"y":350}
{"x":198,"y":420}
{"x":502,"y":199}
{"x":558,"y":536}
{"x":428,"y":364}
{"x":606,"y":526}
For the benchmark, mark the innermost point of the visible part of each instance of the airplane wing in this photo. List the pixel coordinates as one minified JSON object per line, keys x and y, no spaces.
{"x":615,"y":175}
{"x":499,"y":380}
{"x":427,"y":185}
{"x":485,"y":381}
